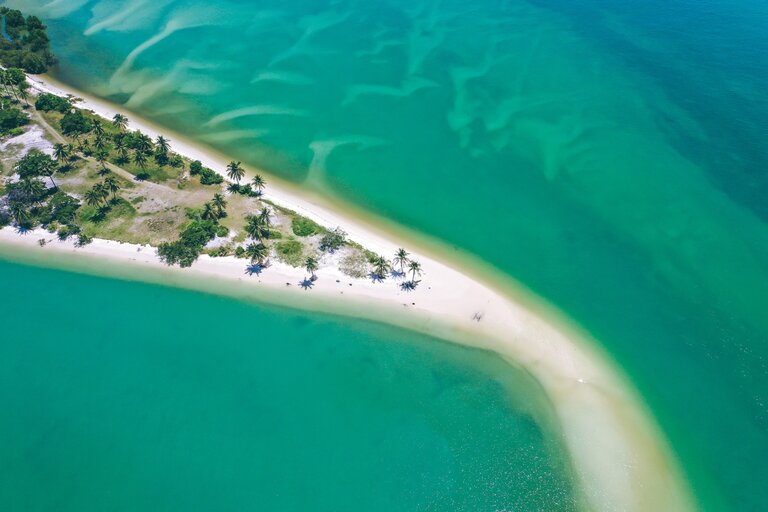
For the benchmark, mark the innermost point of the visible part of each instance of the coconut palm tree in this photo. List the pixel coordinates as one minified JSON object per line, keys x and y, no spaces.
{"x":256,"y":228}
{"x":401,"y":258}
{"x":414,"y":267}
{"x":235,"y":171}
{"x":24,"y":94}
{"x":311,"y":266}
{"x":61,"y":152}
{"x":100,"y":141}
{"x":120,"y":122}
{"x":163,"y":144}
{"x":220,"y":203}
{"x":140,"y":159}
{"x":259,"y":183}
{"x":209,"y":212}
{"x":101,"y":157}
{"x":257,"y":252}
{"x":103,"y":192}
{"x":98,"y":128}
{"x":264,"y":217}
{"x":33,"y":189}
{"x":93,"y":197}
{"x":19,"y":212}
{"x":143,"y":144}
{"x":111,"y":184}
{"x":122,"y":155}
{"x":381,"y":267}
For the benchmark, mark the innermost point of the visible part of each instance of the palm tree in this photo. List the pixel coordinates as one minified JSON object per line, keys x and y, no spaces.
{"x":32,"y":188}
{"x":97,"y":127}
{"x":122,"y":155}
{"x":311,"y":266}
{"x":120,"y":122}
{"x":103,"y":192}
{"x":100,"y":141}
{"x":93,"y":197}
{"x":143,"y":143}
{"x":414,"y":267}
{"x":19,"y":212}
{"x":61,"y":152}
{"x":259,"y":183}
{"x":24,"y":94}
{"x":235,"y":171}
{"x":101,"y":157}
{"x":256,"y":228}
{"x":381,"y":266}
{"x":140,"y":159}
{"x":111,"y":184}
{"x":220,"y":203}
{"x":257,"y":252}
{"x":264,"y":217}
{"x":163,"y":145}
{"x":401,"y":258}
{"x":209,"y":212}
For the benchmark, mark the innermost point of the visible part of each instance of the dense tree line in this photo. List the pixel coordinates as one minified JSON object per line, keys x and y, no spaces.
{"x":24,"y":43}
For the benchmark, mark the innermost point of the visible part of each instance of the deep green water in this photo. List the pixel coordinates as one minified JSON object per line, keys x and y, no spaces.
{"x":128,"y":396}
{"x":616,"y":151}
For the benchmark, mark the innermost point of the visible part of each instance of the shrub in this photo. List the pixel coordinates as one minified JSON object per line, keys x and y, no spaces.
{"x":355,"y":264}
{"x":333,"y":240}
{"x":223,"y":250}
{"x":11,"y":118}
{"x":303,"y":226}
{"x":83,"y":240}
{"x":195,"y":167}
{"x":63,"y":207}
{"x":240,"y":252}
{"x":290,"y":252}
{"x":50,"y":102}
{"x":67,"y":231}
{"x":210,"y":177}
{"x":188,"y":247}
{"x":176,"y":161}
{"x":222,"y":231}
{"x":75,"y":123}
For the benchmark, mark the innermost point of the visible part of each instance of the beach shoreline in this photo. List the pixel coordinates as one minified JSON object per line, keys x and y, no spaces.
{"x":633,"y":469}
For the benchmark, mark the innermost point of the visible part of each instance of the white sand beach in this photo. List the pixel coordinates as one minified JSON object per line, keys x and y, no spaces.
{"x":621,"y":459}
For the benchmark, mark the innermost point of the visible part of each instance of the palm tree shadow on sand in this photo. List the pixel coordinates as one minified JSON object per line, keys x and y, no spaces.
{"x":307,"y":283}
{"x":254,"y":268}
{"x":376,"y":278}
{"x":409,"y":286}
{"x":397,"y":274}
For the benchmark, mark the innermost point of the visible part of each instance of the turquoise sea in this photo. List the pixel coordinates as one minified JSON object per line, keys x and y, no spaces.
{"x":609,"y":155}
{"x":129,"y":396}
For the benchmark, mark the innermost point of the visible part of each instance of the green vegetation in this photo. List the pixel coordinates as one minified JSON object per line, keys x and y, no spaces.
{"x":303,"y":226}
{"x":50,"y":102}
{"x":190,"y":244}
{"x":333,"y":240}
{"x":290,"y":252}
{"x":76,"y":194}
{"x":207,"y":175}
{"x":11,"y":118}
{"x":75,"y":123}
{"x":29,"y":47}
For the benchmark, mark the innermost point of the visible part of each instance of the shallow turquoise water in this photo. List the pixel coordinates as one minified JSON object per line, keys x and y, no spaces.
{"x":129,"y":396}
{"x":616,"y":150}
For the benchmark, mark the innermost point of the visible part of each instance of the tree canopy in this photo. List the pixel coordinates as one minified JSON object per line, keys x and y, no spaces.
{"x":27,"y":45}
